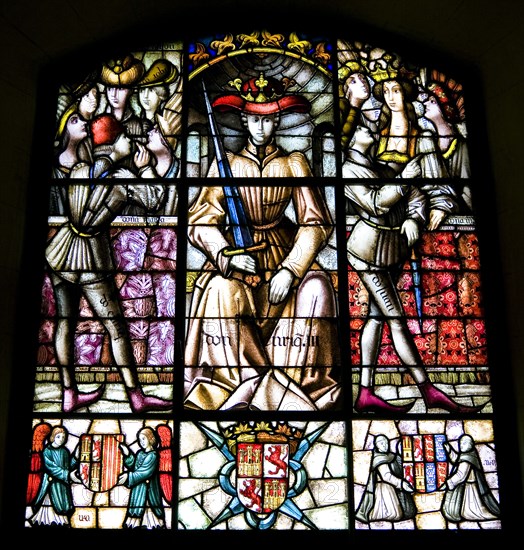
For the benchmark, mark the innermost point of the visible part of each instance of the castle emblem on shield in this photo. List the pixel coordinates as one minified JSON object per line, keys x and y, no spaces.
{"x":101,"y":461}
{"x":262,"y":475}
{"x":264,"y":470}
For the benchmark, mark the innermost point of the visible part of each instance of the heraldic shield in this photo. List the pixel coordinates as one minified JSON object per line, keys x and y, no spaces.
{"x":263,"y":471}
{"x":262,"y":475}
{"x":425,"y":461}
{"x":101,"y":461}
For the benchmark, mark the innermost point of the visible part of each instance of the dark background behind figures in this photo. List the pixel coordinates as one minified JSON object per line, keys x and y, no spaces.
{"x":479,"y":34}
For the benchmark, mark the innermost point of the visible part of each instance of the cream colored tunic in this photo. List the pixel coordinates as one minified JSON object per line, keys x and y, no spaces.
{"x":232,"y":324}
{"x":81,"y":246}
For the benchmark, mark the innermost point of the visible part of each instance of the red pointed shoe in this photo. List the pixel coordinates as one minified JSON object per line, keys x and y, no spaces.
{"x":73,"y":399}
{"x":436,"y":399}
{"x":140,"y":402}
{"x":368,"y":402}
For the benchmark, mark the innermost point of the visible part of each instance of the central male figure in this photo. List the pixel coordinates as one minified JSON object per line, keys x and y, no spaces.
{"x":262,"y":331}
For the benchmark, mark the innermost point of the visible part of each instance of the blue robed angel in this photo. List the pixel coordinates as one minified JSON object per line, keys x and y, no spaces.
{"x":145,"y":500}
{"x":54,"y":502}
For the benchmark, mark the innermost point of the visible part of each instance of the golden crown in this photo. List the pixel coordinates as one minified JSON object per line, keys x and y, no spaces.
{"x":262,"y":432}
{"x":386,"y":67}
{"x":262,"y":89}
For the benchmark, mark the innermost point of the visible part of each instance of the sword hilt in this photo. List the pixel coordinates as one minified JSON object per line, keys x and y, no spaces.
{"x":246,"y":250}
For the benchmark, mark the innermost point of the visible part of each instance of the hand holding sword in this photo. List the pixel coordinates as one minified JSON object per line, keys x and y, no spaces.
{"x":242,"y":261}
{"x":247,"y":267}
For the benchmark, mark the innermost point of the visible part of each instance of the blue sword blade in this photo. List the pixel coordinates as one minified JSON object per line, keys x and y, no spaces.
{"x":417,"y":289}
{"x":237,"y":215}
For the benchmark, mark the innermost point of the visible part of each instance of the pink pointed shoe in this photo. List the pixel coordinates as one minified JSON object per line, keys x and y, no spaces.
{"x":140,"y":402}
{"x":73,"y":399}
{"x":436,"y":399}
{"x":368,"y":402}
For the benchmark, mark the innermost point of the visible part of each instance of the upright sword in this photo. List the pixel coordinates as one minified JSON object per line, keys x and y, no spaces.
{"x":244,"y":243}
{"x":417,"y":287}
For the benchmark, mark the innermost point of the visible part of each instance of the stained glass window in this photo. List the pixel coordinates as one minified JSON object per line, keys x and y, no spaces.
{"x":301,"y":346}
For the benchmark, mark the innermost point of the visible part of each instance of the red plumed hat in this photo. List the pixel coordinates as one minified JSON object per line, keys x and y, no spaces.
{"x":262,"y":96}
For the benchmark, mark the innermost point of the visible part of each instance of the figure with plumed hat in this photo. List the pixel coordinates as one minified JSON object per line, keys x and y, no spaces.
{"x":270,"y":292}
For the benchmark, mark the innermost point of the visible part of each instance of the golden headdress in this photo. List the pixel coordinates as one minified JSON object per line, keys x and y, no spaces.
{"x":123,"y":72}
